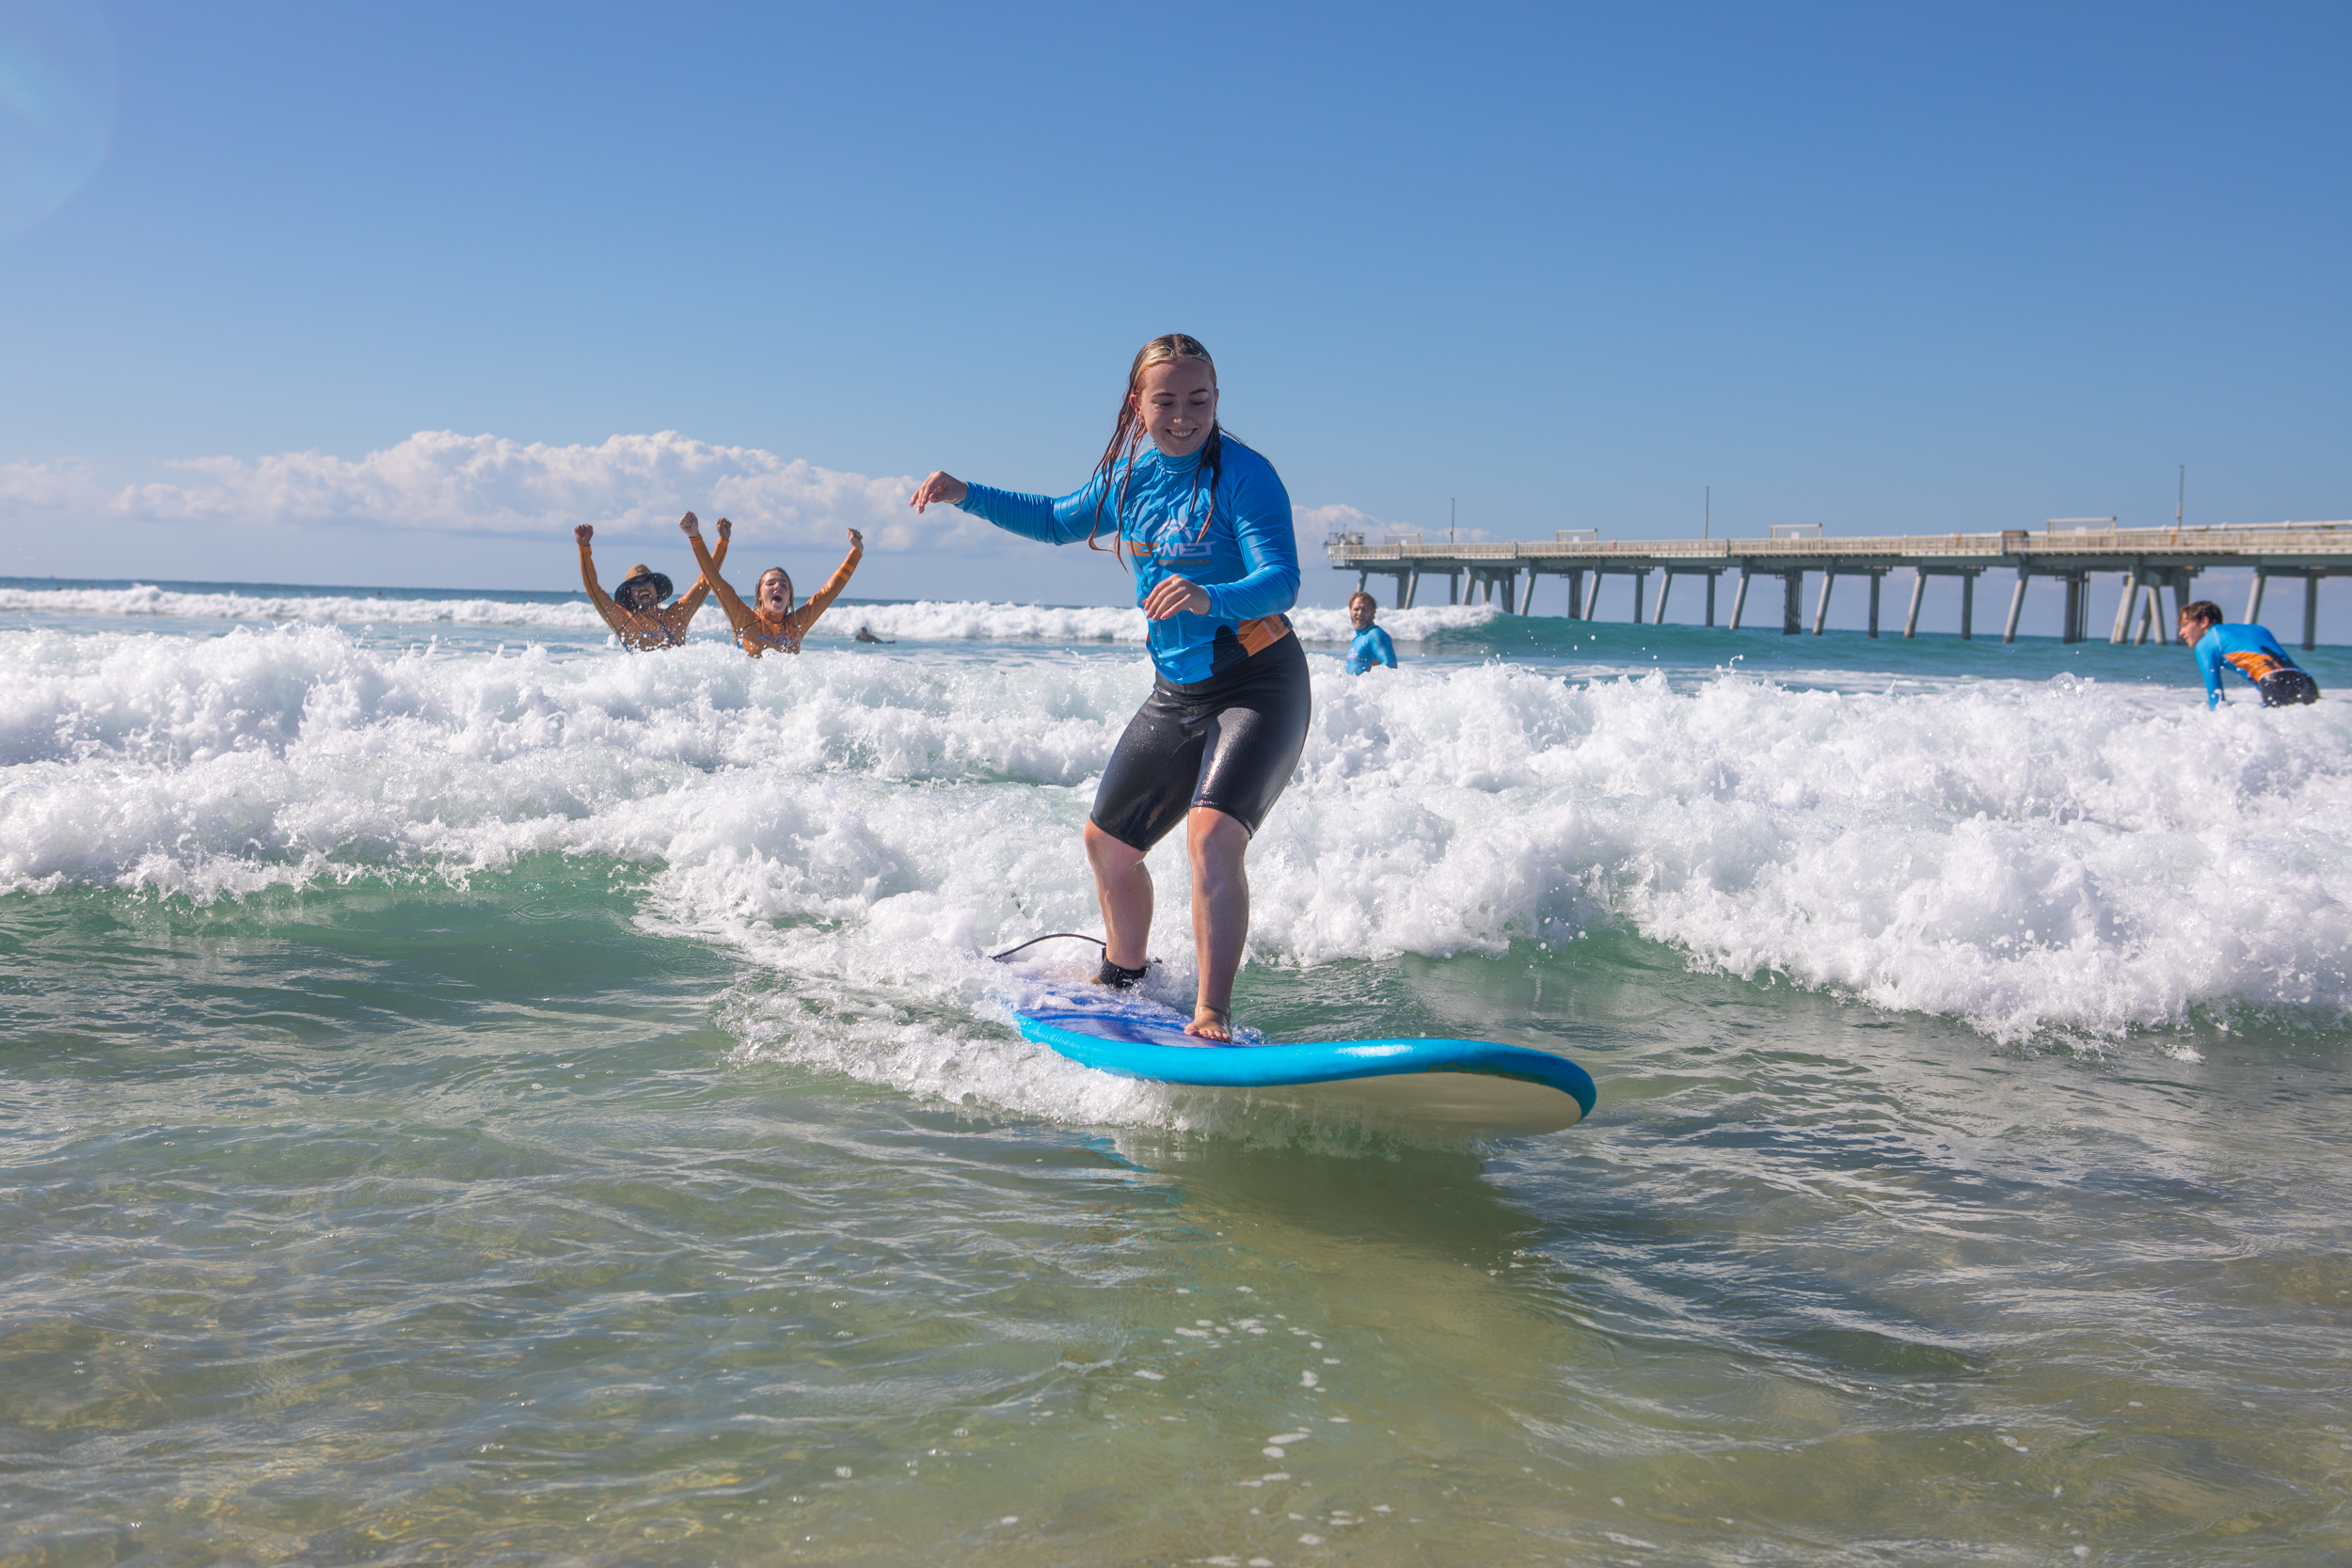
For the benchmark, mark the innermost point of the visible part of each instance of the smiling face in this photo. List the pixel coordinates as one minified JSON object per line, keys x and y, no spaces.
{"x":775,"y":591}
{"x":1176,"y":402}
{"x":638,"y":596}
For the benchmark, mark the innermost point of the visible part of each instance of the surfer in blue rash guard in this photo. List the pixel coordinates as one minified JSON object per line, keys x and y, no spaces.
{"x":1206,"y":524}
{"x":2249,"y":649}
{"x":1372,"y":645}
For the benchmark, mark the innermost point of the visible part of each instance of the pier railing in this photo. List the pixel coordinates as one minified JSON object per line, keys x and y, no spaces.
{"x":2070,"y":549}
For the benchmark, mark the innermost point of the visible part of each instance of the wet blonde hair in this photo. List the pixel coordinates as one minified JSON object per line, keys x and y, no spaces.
{"x":762,"y":581}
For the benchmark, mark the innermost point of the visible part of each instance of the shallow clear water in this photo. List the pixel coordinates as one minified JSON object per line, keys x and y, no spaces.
{"x":533,"y":1104}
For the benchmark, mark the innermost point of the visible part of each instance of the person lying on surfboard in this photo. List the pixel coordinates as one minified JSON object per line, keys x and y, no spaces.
{"x":770,"y":621}
{"x":1207,"y":526}
{"x":634,"y":610}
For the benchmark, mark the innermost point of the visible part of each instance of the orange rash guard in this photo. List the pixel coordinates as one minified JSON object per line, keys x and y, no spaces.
{"x":757,"y":630}
{"x":644,"y":631}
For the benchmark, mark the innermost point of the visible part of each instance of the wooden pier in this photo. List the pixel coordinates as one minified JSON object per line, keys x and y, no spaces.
{"x":2150,"y":561}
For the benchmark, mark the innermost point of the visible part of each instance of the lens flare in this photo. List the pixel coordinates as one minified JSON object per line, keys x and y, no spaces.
{"x":58,"y":88}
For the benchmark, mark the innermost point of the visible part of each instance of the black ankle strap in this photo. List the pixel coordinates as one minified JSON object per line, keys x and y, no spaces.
{"x":1117,"y":977}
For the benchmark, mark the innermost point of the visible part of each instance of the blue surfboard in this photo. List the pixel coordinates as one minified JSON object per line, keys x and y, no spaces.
{"x":1476,"y":1087}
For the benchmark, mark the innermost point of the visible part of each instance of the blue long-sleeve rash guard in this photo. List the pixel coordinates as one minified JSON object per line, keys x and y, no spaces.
{"x":1241,"y":552}
{"x":1372,"y":646}
{"x":2249,"y":649}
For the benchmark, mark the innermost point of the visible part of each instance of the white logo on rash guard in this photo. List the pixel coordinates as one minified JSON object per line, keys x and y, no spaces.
{"x":1174,"y":541}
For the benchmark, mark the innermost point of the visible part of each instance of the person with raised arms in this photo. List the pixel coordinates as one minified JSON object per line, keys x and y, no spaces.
{"x":770,"y":621}
{"x":1206,"y":523}
{"x":634,"y":610}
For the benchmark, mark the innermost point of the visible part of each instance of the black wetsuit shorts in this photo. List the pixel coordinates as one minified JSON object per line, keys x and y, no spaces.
{"x":2287,"y":688}
{"x":1229,"y":742}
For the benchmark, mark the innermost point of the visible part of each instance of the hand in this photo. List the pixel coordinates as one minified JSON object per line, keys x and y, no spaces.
{"x":1172,"y":594}
{"x":690,"y":524}
{"x":941,"y":486}
{"x":583,"y":534}
{"x":726,"y":530}
{"x":857,"y":540}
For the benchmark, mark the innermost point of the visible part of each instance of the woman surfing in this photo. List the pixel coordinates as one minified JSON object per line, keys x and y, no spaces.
{"x":1207,"y":526}
{"x":769,"y":621}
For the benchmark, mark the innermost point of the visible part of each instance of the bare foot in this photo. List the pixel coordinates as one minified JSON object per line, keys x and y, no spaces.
{"x":1211,"y":1023}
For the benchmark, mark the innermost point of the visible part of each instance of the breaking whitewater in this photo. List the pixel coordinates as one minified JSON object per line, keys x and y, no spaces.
{"x":2049,"y":856}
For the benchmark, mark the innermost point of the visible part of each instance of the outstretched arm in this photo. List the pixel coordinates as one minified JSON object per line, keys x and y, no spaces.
{"x":682,"y":611}
{"x":1042,"y":517}
{"x":596,"y":595}
{"x":807,"y":615}
{"x":738,"y":613}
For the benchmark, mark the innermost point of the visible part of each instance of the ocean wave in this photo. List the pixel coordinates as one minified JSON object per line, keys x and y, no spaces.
{"x":2029,"y":857}
{"x":147,"y":601}
{"x":934,"y":620}
{"x":927,"y":620}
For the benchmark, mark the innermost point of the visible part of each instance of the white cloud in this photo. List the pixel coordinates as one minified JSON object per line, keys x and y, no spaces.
{"x":40,"y":487}
{"x":438,"y":481}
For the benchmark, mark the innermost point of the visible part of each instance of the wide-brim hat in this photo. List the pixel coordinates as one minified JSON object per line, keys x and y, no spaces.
{"x":642,"y":573}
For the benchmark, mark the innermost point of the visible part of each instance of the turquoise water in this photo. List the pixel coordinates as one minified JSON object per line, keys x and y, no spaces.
{"x":473,"y":1096}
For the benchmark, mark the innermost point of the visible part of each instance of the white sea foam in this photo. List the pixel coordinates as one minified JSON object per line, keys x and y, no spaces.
{"x":927,"y":620}
{"x":2029,"y":857}
{"x":146,"y":600}
{"x":942,"y":622}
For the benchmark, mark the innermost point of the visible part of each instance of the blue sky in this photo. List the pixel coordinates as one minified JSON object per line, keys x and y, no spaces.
{"x":1896,"y":268}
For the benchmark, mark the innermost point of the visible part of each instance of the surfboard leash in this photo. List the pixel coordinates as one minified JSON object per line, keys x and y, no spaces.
{"x":1051,"y":936}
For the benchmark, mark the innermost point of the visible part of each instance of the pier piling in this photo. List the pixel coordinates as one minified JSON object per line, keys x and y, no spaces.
{"x":2077,"y":605}
{"x":2132,"y":583}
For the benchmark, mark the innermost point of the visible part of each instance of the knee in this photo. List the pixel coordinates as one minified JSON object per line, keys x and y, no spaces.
{"x":1216,"y":843}
{"x":1108,"y":855}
